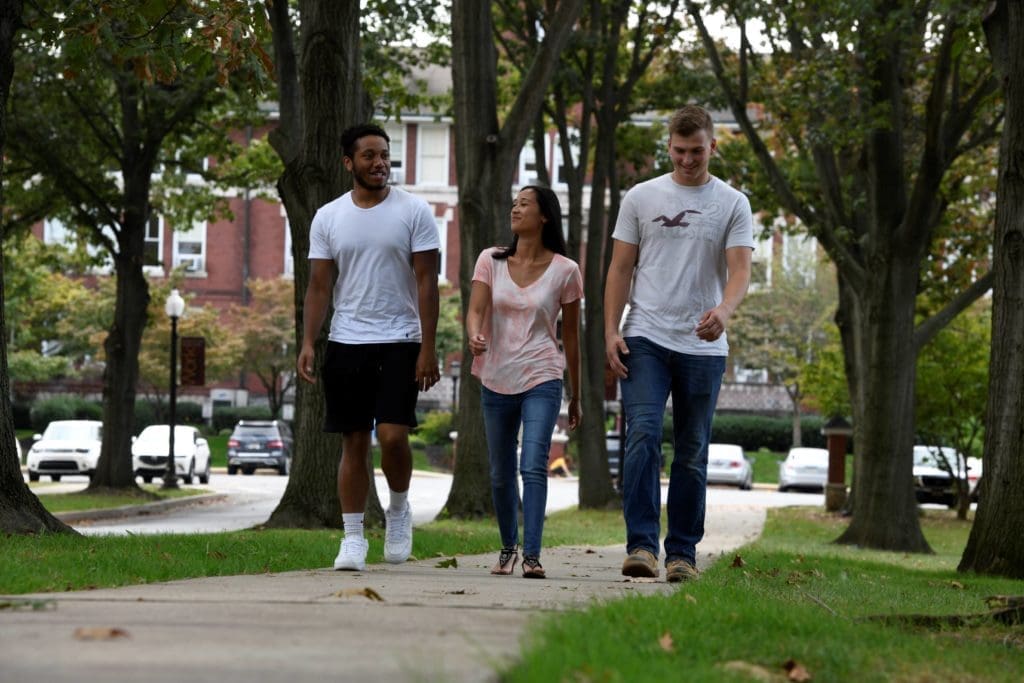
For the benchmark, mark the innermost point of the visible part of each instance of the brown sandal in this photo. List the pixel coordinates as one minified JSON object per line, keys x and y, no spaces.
{"x":532,"y":568}
{"x":506,"y":561}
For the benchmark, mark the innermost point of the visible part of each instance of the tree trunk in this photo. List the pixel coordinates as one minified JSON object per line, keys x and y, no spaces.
{"x":595,"y":488}
{"x":798,"y":430}
{"x":996,"y":545}
{"x":877,"y":326}
{"x":486,"y":155}
{"x":321,"y":96}
{"x":20,"y":510}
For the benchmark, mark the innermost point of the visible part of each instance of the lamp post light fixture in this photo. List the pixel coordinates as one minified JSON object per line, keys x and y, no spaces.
{"x":174,"y":307}
{"x":453,"y":371}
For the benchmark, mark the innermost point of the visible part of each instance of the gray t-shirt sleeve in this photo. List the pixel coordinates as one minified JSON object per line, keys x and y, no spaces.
{"x":741,"y":225}
{"x":627,"y":225}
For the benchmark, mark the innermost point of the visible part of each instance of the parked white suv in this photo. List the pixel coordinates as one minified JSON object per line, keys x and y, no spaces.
{"x":66,"y":447}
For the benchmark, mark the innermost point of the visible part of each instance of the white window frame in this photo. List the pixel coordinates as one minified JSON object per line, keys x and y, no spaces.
{"x":288,"y":265}
{"x":195,"y":234}
{"x":398,"y":134}
{"x":445,"y":160}
{"x":442,"y":235}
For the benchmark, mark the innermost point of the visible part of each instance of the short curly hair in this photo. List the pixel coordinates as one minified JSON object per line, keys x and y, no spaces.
{"x":351,"y":136}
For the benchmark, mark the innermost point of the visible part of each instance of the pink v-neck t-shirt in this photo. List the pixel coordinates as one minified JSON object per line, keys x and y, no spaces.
{"x":522,"y":349}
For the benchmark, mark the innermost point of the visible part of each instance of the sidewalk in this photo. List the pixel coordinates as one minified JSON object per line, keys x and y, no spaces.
{"x":432,"y":623}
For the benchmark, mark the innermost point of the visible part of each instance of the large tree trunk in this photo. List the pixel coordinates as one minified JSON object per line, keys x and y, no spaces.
{"x":595,"y":489}
{"x":996,"y":545}
{"x":321,"y":96}
{"x":486,"y":156}
{"x":20,"y":510}
{"x":877,"y":326}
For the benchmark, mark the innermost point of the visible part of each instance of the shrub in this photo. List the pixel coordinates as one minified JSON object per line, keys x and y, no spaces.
{"x":434,"y":427}
{"x":149,"y":413}
{"x":226,"y":418}
{"x":753,"y":432}
{"x":47,"y":410}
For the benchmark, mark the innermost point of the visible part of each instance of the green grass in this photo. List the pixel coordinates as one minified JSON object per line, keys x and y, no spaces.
{"x":795,"y":597}
{"x":59,"y":562}
{"x":69,"y":502}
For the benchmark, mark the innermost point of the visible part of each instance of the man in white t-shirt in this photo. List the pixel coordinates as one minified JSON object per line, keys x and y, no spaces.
{"x":376,"y":249}
{"x":681,"y":255}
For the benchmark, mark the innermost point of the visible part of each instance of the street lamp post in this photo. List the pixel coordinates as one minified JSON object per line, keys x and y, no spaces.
{"x":174,"y":307}
{"x":453,"y":370}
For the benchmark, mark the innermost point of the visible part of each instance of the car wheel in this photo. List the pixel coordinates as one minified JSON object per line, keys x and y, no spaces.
{"x":248,"y":470}
{"x":285,"y":467}
{"x":191,"y":472}
{"x":232,"y":469}
{"x":748,"y":484}
{"x":783,"y":489}
{"x":204,"y":478}
{"x":147,"y":478}
{"x":33,"y":476}
{"x":55,"y":477}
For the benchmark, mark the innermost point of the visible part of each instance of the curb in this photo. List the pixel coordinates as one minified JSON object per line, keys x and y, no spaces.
{"x":138,"y":510}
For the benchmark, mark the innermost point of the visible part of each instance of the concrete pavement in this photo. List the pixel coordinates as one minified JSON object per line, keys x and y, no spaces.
{"x":431,"y":624}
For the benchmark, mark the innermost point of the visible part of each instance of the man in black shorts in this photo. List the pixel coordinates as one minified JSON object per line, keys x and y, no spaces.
{"x":374,"y":250}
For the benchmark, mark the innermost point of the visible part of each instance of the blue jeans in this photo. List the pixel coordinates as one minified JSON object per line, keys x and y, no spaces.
{"x":693,"y":381}
{"x":536,"y":409}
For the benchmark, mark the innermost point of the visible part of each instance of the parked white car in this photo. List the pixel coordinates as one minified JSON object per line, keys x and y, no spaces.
{"x":191,"y":453}
{"x":804,"y":468}
{"x":65,"y":447}
{"x":933,"y":474}
{"x":727,"y":464}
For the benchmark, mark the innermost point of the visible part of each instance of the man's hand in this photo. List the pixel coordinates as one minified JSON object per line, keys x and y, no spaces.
{"x":712,"y":324}
{"x":304,"y":364}
{"x":427,"y":373}
{"x":614,"y":348}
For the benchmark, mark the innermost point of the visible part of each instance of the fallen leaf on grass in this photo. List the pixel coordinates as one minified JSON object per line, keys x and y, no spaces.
{"x":751,"y":671}
{"x":690,"y":598}
{"x":956,"y":584}
{"x":666,"y":643}
{"x":215,"y":554}
{"x":450,"y":563}
{"x":367,"y":593}
{"x":795,"y":671}
{"x":100,"y":633}
{"x":737,"y":562}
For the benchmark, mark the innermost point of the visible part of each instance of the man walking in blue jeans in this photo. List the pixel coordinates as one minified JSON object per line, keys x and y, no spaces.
{"x":683,"y":241}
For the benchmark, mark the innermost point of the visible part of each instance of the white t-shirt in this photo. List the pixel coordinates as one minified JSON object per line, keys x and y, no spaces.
{"x":375,"y":296}
{"x":682,"y":233}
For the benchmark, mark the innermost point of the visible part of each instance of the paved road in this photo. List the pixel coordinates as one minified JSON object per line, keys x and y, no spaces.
{"x":251,"y":499}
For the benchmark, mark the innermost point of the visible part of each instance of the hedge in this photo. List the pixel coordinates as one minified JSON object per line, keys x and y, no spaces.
{"x":63,"y":408}
{"x":753,"y":432}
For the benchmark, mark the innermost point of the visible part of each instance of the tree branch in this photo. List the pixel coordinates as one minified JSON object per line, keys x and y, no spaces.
{"x":927,"y":330}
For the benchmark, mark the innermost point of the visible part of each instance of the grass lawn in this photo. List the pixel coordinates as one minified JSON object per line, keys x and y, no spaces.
{"x":793,"y":597}
{"x":68,"y":502}
{"x":58,"y":562}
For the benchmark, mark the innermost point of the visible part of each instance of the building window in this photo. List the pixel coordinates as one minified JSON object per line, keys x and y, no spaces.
{"x":55,"y":232}
{"x":190,"y":248}
{"x":396,"y":131}
{"x":528,"y":163}
{"x":432,"y":168}
{"x":152,"y":250}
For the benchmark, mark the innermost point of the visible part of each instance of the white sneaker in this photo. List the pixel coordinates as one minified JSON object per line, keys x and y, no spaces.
{"x":398,"y":535}
{"x":352,"y":555}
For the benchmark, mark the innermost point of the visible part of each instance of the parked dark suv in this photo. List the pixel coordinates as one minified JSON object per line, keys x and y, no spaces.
{"x":260,"y":443}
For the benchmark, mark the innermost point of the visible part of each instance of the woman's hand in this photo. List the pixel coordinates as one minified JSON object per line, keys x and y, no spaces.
{"x":477,"y":344}
{"x":575,"y":416}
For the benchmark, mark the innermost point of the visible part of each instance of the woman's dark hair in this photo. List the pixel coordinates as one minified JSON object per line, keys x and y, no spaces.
{"x":551,"y":232}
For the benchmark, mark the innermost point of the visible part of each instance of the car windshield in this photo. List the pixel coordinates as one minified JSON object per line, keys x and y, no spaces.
{"x":934,"y":455}
{"x":162,"y":433}
{"x":72,"y":431}
{"x":268,"y":431}
{"x":808,"y":456}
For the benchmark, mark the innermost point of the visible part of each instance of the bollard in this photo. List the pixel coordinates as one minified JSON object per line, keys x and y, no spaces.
{"x":837,"y":430}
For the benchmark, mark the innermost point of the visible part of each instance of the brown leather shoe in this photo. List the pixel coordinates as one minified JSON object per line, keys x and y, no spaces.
{"x":680,"y":570}
{"x":641,"y":563}
{"x":506,"y":563}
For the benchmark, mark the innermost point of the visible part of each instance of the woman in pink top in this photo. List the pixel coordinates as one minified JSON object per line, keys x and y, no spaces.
{"x":518,"y":292}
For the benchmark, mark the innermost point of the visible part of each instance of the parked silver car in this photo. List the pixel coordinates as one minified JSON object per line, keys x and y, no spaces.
{"x":804,"y":468}
{"x":727,"y":464}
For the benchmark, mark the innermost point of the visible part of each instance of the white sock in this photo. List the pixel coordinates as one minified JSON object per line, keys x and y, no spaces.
{"x":353,"y":524}
{"x":398,"y":500}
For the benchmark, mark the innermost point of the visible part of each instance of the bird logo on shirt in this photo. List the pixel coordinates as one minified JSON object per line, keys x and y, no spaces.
{"x":676,"y":221}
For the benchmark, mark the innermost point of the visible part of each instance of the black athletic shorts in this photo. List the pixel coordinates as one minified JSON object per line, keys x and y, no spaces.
{"x":366,"y":384}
